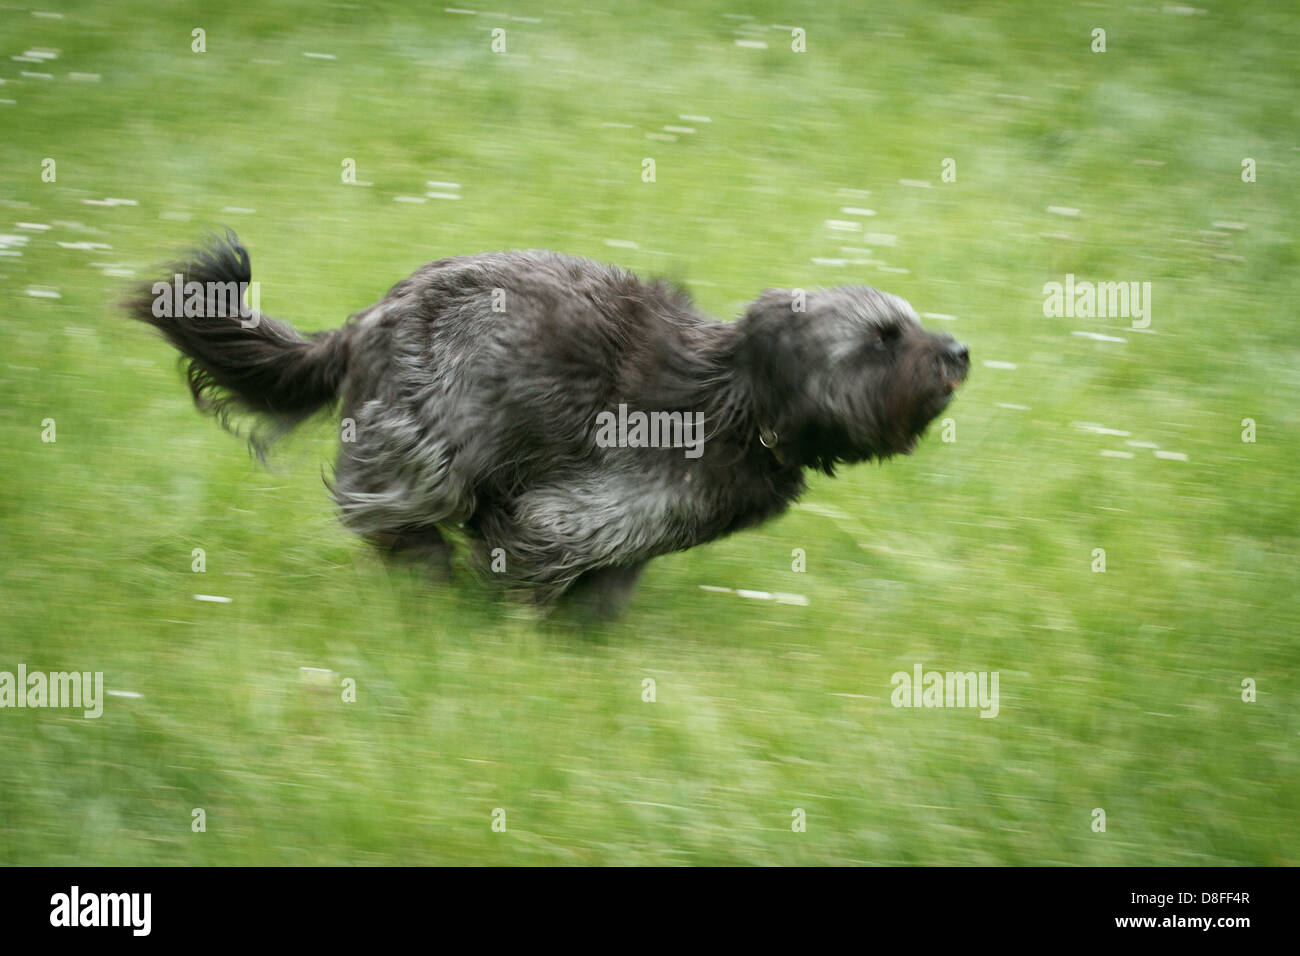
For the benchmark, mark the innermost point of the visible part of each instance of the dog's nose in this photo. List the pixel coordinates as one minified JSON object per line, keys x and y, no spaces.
{"x":959,"y":352}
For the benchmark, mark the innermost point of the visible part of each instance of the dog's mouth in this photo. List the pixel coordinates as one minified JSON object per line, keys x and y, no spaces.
{"x":953,"y":369}
{"x":949,"y":382}
{"x":947,"y":392}
{"x":950,"y":377}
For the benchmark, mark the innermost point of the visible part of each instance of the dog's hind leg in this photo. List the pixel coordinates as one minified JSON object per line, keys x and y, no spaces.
{"x":602,"y":593}
{"x":421,"y":545}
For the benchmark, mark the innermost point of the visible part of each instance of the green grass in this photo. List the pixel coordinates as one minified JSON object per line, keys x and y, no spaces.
{"x":1119,"y":690}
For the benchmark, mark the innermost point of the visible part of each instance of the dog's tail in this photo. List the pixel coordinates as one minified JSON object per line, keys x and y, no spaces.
{"x":236,"y":358}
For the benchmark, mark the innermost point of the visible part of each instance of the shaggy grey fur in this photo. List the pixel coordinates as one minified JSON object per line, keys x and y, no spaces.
{"x":474,"y":387}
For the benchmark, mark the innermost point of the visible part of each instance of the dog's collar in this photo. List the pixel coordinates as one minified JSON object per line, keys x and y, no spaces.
{"x":768,"y":439}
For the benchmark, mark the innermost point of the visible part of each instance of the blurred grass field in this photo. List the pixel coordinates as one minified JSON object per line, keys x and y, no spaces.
{"x":1120,"y":690}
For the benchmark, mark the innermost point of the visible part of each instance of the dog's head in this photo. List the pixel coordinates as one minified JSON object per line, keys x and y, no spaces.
{"x":845,"y":374}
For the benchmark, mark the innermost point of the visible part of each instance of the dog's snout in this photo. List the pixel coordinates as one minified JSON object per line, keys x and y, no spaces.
{"x":953,"y":361}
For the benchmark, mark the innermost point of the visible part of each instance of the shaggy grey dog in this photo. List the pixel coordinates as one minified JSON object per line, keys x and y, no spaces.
{"x":479,"y":399}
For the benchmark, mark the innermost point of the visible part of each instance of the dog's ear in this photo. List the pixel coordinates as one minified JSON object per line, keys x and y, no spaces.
{"x":776,"y":346}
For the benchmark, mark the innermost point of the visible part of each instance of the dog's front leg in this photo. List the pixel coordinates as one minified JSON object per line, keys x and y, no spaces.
{"x":602,"y":592}
{"x":425,"y":546}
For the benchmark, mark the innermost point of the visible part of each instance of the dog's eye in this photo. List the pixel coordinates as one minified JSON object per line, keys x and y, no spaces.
{"x":889,"y":333}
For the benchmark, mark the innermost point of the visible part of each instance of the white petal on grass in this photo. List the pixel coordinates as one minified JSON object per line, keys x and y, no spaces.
{"x":752,"y":44}
{"x":1009,"y":366}
{"x":240,"y":210}
{"x":939,"y":316}
{"x":443,"y":195}
{"x":1238,"y":226}
{"x":1148,"y":162}
{"x":826,"y":511}
{"x":42,"y":54}
{"x":410,"y":199}
{"x":856,"y":211}
{"x":846,"y":192}
{"x":34,"y":226}
{"x":693,"y":118}
{"x":1063,"y":211}
{"x":843,"y":225}
{"x":320,"y":56}
{"x":898,"y":270}
{"x":1112,"y":453}
{"x":37,"y":76}
{"x":818,"y":261}
{"x":1099,"y":337}
{"x":1142,"y":444}
{"x":130,"y":694}
{"x":318,"y":676}
{"x":915,"y":183}
{"x":1100,"y":429}
{"x":684,"y":130}
{"x":439,"y":184}
{"x":662,"y":137}
{"x":213,"y":599}
{"x":461,"y":10}
{"x":44,"y":294}
{"x":780,"y":597}
{"x":1015,"y":408}
{"x":84,"y":77}
{"x":622,"y":244}
{"x":1171,"y":455}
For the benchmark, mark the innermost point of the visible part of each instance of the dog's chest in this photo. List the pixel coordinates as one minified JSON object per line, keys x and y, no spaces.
{"x":639,"y":507}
